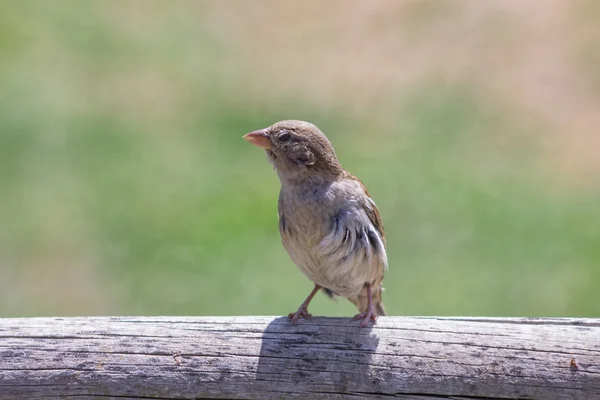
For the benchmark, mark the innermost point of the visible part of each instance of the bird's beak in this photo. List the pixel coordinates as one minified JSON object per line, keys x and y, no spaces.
{"x":259,"y":138}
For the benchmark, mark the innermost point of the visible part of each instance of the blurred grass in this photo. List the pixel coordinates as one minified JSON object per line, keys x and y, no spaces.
{"x":126,"y":187}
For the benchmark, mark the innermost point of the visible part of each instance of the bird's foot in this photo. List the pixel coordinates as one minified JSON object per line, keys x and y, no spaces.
{"x":301,"y":313}
{"x":366,"y":317}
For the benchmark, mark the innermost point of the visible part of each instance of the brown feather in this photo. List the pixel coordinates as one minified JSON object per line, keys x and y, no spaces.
{"x":328,"y":222}
{"x":372,"y":212}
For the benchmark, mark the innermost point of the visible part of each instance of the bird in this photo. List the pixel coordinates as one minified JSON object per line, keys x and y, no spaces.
{"x":328,"y":223}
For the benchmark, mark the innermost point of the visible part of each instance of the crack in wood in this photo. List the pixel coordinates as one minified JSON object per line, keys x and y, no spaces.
{"x":263,"y":357}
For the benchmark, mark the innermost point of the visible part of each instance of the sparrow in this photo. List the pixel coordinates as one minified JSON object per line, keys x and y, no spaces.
{"x":328,"y":222}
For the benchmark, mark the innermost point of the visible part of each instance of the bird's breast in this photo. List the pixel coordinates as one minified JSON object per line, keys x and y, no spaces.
{"x":335,"y":245}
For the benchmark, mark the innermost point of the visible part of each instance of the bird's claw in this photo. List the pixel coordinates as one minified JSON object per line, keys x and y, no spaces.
{"x":301,"y":313}
{"x":366,"y":317}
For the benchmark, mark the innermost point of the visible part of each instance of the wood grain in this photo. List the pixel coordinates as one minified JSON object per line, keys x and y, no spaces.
{"x":326,"y":358}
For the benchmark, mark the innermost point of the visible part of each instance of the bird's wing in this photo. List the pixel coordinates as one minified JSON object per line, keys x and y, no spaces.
{"x":370,"y":209}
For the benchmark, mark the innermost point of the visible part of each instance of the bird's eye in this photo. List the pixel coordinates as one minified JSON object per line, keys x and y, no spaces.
{"x":284,"y":137}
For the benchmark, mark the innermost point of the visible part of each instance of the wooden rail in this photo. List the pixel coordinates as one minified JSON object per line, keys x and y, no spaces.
{"x":326,"y":358}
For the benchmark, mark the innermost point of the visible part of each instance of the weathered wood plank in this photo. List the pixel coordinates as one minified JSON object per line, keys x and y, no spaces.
{"x":327,"y":358}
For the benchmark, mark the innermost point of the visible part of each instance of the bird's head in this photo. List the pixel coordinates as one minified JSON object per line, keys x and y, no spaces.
{"x":298,"y":150}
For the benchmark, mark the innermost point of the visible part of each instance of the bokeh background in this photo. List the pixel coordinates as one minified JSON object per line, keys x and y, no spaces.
{"x":125,"y":186}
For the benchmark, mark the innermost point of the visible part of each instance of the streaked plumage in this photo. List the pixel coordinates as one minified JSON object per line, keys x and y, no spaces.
{"x":328,"y":222}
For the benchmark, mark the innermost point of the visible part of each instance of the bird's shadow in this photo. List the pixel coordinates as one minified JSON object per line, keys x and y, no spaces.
{"x":330,"y":355}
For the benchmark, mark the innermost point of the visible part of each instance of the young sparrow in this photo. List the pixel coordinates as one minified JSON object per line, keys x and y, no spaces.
{"x":328,"y":223}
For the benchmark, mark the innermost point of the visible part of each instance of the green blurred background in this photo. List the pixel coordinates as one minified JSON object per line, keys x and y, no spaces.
{"x":125,"y":186}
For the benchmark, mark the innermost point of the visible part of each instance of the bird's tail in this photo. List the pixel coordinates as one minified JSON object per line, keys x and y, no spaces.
{"x":362,"y":301}
{"x":380,"y":309}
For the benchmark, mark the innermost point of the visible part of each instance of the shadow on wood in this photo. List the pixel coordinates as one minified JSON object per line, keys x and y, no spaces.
{"x":316,"y":356}
{"x":326,"y":358}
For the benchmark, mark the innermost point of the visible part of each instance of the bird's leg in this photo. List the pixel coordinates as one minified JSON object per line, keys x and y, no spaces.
{"x":370,"y":314}
{"x":303,"y":309}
